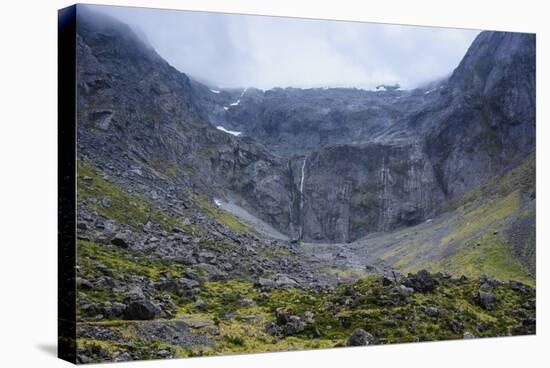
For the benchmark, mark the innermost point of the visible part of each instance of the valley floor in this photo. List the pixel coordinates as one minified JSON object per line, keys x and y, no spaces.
{"x":228,"y":317}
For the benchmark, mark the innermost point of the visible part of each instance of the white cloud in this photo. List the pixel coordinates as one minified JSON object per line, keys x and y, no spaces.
{"x":231,"y":50}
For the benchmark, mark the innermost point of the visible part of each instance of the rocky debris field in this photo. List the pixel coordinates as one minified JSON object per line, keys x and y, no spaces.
{"x":191,"y":318}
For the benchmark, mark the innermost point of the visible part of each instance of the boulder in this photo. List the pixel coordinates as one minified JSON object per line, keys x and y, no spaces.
{"x":284,"y":281}
{"x":106,"y":202}
{"x":404,"y":290}
{"x":187,"y":284}
{"x":273,"y":329}
{"x":422,"y":281}
{"x":212,"y":272}
{"x":207,"y":257}
{"x":286,"y":323}
{"x":135,"y":293}
{"x":140,"y":310}
{"x":169,"y":285}
{"x":360,"y":337}
{"x":308,"y":317}
{"x":345,"y":321}
{"x":293,"y":326}
{"x":121,"y":240}
{"x":469,"y":335}
{"x":264,"y":283}
{"x":282,"y":316}
{"x":486,"y":300}
{"x":246,"y":302}
{"x":431,"y":311}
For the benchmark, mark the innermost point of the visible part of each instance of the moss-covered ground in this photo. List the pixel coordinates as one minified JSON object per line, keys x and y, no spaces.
{"x":236,"y":327}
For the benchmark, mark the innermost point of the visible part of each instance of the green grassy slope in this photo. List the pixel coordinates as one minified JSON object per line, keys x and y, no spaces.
{"x":474,"y":236}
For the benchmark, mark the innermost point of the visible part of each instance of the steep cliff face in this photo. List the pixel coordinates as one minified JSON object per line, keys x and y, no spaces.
{"x":138,"y":114}
{"x":489,"y":123}
{"x":472,"y":127}
{"x":350,"y":191}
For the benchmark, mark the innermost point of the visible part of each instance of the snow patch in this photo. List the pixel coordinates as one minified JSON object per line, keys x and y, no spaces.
{"x":236,"y":134}
{"x":214,"y":91}
{"x":217,"y":202}
{"x":236,"y":103}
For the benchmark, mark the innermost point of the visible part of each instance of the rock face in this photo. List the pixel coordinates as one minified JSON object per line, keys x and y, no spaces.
{"x":294,"y":121}
{"x":489,"y":121}
{"x":350,"y":191}
{"x":471,"y":127}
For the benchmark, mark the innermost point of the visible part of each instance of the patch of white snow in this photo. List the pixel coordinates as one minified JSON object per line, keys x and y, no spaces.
{"x":236,"y":134}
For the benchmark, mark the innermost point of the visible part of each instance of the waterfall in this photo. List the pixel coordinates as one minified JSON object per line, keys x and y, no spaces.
{"x":302,"y":179}
{"x":302,"y":198}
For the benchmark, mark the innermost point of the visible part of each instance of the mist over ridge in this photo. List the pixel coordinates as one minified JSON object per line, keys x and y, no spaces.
{"x":237,"y":51}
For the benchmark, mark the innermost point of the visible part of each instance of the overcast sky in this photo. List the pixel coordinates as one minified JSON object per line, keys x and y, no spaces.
{"x":230,"y":50}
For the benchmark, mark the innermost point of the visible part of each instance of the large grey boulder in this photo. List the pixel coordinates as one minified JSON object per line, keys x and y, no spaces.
{"x":140,"y":310}
{"x":121,"y":239}
{"x":360,"y":337}
{"x":422,"y":281}
{"x":486,"y":300}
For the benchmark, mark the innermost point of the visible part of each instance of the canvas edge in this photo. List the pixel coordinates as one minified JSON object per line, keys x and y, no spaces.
{"x":66,"y":175}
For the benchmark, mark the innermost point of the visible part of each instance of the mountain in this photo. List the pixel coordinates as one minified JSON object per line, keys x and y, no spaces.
{"x":473,"y":126}
{"x":216,"y":221}
{"x":421,"y":148}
